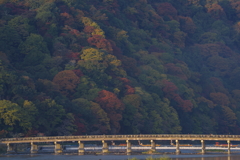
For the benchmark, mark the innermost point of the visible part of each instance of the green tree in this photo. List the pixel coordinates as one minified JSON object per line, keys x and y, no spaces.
{"x":50,"y":116}
{"x":9,"y":112}
{"x":28,"y":114}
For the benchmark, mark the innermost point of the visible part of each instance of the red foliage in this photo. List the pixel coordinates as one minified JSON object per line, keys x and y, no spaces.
{"x":129,"y":90}
{"x":75,"y":32}
{"x":3,"y":133}
{"x":32,"y":133}
{"x":100,"y":42}
{"x":73,"y":55}
{"x":78,"y":72}
{"x":125,"y":80}
{"x":176,"y":71}
{"x":112,"y":106}
{"x":170,"y":90}
{"x":81,"y":128}
{"x":88,"y":29}
{"x":64,"y":8}
{"x":16,"y":9}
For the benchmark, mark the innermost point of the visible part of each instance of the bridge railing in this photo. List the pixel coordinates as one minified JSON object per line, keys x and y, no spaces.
{"x":121,"y":136}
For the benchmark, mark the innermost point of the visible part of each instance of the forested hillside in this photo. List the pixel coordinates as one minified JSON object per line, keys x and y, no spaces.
{"x":72,"y":67}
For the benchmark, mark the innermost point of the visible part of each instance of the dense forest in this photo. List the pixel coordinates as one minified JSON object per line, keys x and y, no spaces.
{"x":73,"y":67}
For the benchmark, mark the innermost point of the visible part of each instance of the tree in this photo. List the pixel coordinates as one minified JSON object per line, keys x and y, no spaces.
{"x":28,"y":115}
{"x":33,"y":44}
{"x":67,"y":81}
{"x":68,"y":127}
{"x":101,"y":123}
{"x":9,"y":112}
{"x":49,"y":117}
{"x":166,"y":9}
{"x":220,"y":98}
{"x":113,"y":107}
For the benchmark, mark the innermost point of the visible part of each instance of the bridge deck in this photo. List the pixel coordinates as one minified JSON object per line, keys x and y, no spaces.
{"x":122,"y":138}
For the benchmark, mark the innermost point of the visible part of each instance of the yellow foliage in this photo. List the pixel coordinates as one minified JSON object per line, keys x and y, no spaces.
{"x":98,"y":32}
{"x":122,"y":35}
{"x":112,"y":60}
{"x":92,"y":54}
{"x":116,"y":91}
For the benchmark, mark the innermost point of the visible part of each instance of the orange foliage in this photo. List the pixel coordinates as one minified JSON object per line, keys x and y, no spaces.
{"x":187,"y":24}
{"x":88,"y":29}
{"x":100,"y":42}
{"x":112,"y":106}
{"x":166,"y":9}
{"x":220,"y":98}
{"x":216,"y":11}
{"x":67,"y":81}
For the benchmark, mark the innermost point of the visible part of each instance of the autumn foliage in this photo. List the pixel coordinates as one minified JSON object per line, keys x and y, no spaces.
{"x":112,"y":106}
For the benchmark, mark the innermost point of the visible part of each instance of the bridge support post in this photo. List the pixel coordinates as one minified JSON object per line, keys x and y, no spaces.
{"x":10,"y":148}
{"x":177,"y":147}
{"x":153,"y":146}
{"x":80,"y":148}
{"x":58,"y":148}
{"x":129,"y":150}
{"x":34,"y":148}
{"x":229,"y":148}
{"x":203,"y":146}
{"x":104,"y":147}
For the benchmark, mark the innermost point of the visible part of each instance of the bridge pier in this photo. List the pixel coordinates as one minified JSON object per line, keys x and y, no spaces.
{"x":153,"y":145}
{"x":129,"y":150}
{"x":80,"y":148}
{"x":10,"y":148}
{"x":229,"y":148}
{"x":203,"y":146}
{"x":34,"y":148}
{"x":58,"y":148}
{"x":177,"y":147}
{"x":104,"y":147}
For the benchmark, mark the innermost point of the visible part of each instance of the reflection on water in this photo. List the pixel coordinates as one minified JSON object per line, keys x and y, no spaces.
{"x":117,"y":157}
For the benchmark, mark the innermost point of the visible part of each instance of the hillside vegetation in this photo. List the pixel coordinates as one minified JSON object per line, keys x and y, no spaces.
{"x":72,"y":67}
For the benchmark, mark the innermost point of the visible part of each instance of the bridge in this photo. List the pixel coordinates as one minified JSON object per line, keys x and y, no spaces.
{"x":128,"y":138}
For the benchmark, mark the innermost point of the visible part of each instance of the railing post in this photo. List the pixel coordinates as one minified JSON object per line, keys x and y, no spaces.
{"x":129,"y":150}
{"x":229,"y":151}
{"x":104,"y":147}
{"x":34,"y":148}
{"x":58,"y":148}
{"x":10,"y":149}
{"x":80,"y":148}
{"x":153,"y":146}
{"x":177,"y":147}
{"x":203,"y":146}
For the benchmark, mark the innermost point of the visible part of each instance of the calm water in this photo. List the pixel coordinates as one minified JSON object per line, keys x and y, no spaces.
{"x":118,"y":157}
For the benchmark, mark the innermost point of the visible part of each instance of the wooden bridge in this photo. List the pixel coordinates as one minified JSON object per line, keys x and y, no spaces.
{"x":128,"y":138}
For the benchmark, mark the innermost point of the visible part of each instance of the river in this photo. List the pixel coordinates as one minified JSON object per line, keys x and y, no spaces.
{"x":118,"y":157}
{"x":187,"y":153}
